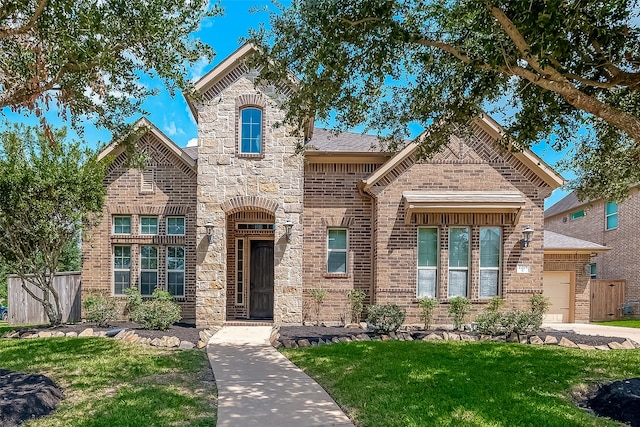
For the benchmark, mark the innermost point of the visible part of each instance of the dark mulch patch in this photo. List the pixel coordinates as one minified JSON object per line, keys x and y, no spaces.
{"x":313,"y":333}
{"x":184,"y":331}
{"x":26,"y":396}
{"x":619,"y":400}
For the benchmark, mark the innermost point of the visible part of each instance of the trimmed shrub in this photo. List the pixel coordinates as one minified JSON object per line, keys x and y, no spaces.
{"x":385,"y":318}
{"x":134,"y":300}
{"x":101,"y":309}
{"x":427,"y":307}
{"x":356,"y":304}
{"x":158,"y":313}
{"x":493,"y":322}
{"x":459,"y":308}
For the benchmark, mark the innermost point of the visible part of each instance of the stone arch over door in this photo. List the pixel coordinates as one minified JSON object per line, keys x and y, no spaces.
{"x":250,"y":204}
{"x":250,"y":231}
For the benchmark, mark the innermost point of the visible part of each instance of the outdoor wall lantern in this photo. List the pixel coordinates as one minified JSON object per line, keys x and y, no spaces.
{"x":526,"y":237}
{"x":209,"y":227}
{"x":288,"y":227}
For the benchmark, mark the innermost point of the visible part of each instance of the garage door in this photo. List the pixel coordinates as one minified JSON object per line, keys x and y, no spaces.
{"x":557,"y":288}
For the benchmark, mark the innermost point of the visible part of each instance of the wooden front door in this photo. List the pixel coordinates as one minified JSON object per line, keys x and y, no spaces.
{"x":261,"y":280}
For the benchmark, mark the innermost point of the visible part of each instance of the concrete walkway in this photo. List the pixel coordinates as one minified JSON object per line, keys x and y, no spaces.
{"x":602,"y":330}
{"x":258,"y":386}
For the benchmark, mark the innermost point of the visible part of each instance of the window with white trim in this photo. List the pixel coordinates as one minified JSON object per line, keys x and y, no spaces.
{"x":121,"y":224}
{"x":428,"y":239}
{"x":592,"y":270}
{"x":611,"y":216}
{"x":490,"y":250}
{"x":577,"y":214}
{"x":175,"y":270}
{"x":149,"y":225}
{"x":250,"y":131}
{"x":240,"y":272}
{"x":121,"y":269}
{"x":458,"y":261}
{"x":175,"y":226}
{"x":148,"y":269}
{"x":337,"y":250}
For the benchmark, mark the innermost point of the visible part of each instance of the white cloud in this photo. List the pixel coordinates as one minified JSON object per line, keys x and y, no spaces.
{"x":197,"y":71}
{"x":193,"y":142}
{"x":171,"y":129}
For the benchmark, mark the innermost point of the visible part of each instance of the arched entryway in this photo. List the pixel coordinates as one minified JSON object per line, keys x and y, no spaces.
{"x":250,"y":263}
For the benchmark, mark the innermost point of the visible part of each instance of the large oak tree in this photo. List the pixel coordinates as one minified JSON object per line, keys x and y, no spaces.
{"x":564,"y":71}
{"x":86,"y":57}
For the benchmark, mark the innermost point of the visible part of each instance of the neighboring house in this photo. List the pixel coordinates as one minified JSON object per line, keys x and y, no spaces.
{"x":243,"y":227}
{"x":611,"y":224}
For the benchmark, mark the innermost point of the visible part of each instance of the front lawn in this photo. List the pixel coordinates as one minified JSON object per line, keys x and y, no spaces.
{"x":111,"y":383}
{"x":401,"y":383}
{"x":629,"y":323}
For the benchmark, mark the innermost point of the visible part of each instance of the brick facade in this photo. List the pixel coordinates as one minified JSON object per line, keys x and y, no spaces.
{"x":623,"y":260}
{"x":172,"y":194}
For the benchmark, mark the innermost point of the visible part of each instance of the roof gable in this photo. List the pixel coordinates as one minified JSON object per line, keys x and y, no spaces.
{"x":226,"y":73}
{"x":115,"y":148}
{"x":529,"y":164}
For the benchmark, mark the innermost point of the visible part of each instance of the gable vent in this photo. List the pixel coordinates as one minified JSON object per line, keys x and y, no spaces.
{"x":146,"y":181}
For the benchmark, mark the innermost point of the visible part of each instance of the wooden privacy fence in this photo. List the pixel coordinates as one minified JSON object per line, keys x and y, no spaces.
{"x":24,"y":310}
{"x":607,"y":299}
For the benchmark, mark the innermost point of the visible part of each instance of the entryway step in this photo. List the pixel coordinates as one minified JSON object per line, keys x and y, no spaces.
{"x":248,"y":323}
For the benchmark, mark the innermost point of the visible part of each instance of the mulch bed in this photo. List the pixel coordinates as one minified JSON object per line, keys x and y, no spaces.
{"x":26,"y":396}
{"x":313,"y":333}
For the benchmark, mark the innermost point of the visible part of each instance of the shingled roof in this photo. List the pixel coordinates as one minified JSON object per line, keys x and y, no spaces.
{"x":567,"y":203}
{"x":191,"y":151}
{"x":561,"y":243}
{"x":346,"y":142}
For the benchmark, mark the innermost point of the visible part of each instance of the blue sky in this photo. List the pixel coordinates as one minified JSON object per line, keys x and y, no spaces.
{"x":223,"y":33}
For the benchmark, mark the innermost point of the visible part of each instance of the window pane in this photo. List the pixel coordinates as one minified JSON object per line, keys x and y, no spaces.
{"x":175,"y":283}
{"x":576,"y":215}
{"x":612,"y":222}
{"x":149,"y":225}
{"x":457,"y":283}
{"x":458,"y":247}
{"x":337,"y":262}
{"x":490,"y":247}
{"x":148,"y":257}
{"x":120,"y":281}
{"x":426,"y":283}
{"x":175,"y":226}
{"x":612,"y":207}
{"x":148,"y":282}
{"x":427,"y":247}
{"x":488,"y":283}
{"x":337,"y":239}
{"x":122,"y":225}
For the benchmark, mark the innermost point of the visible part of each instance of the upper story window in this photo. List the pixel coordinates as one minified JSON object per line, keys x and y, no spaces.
{"x":149,"y":225}
{"x":611,"y":216}
{"x":250,"y":131}
{"x":175,"y":226}
{"x":121,"y":225}
{"x":593,"y":271}
{"x":578,"y":214}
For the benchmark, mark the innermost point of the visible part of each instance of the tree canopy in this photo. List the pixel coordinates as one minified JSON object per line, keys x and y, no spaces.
{"x":562,"y":71}
{"x":86,"y":57}
{"x":48,"y":193}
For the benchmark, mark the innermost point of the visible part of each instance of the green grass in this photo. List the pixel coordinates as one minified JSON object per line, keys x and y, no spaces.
{"x":111,"y":383}
{"x":420,"y":383}
{"x":629,"y":323}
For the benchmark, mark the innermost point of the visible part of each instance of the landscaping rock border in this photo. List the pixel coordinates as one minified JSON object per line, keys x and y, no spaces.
{"x":122,"y":334}
{"x":279,"y":341}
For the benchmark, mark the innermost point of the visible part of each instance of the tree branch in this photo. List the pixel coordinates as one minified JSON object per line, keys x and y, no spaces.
{"x":8,"y":32}
{"x":359,"y":21}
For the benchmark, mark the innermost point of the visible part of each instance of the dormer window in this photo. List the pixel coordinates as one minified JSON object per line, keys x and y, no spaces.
{"x":250,"y":131}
